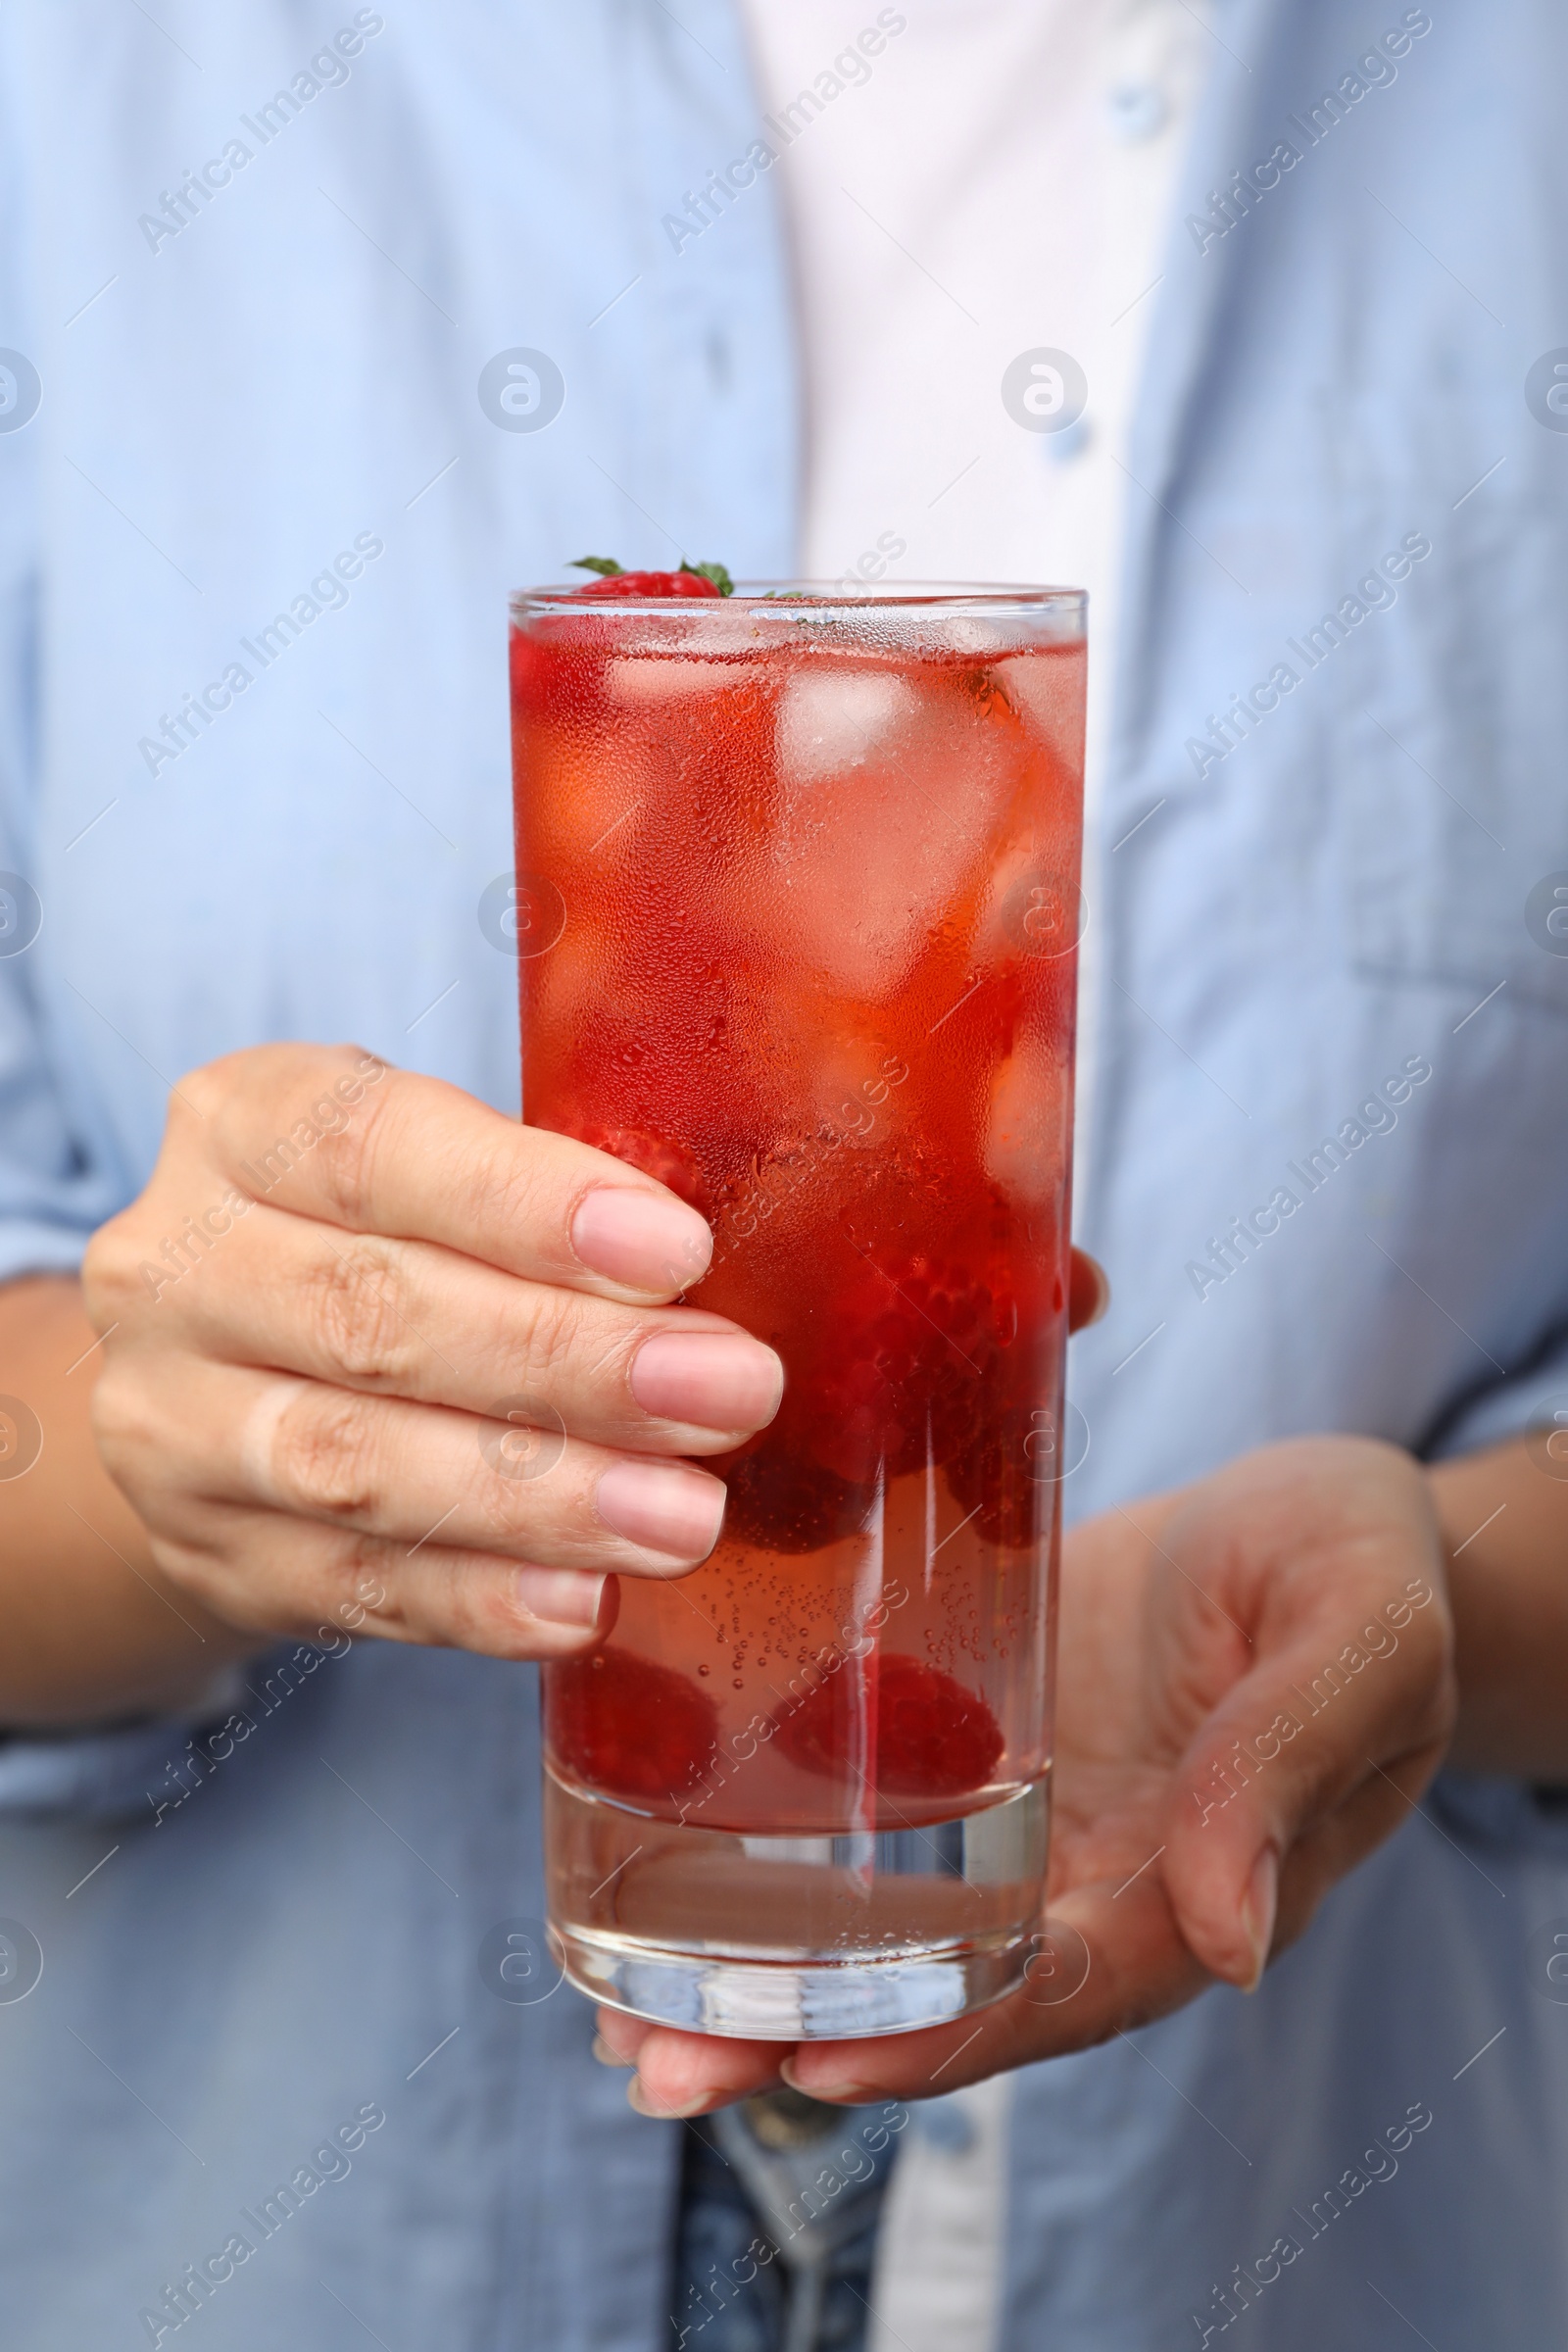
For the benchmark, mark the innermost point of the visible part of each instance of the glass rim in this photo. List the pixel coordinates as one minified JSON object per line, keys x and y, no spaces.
{"x":990,"y":598}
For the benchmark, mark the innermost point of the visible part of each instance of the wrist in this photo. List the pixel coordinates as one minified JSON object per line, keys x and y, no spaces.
{"x":1504,"y":1531}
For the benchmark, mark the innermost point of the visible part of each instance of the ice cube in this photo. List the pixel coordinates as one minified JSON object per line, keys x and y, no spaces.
{"x":1033,"y":905}
{"x":635,"y":679}
{"x":891,"y":792}
{"x":828,"y":723}
{"x":1028,"y":1124}
{"x":1047,"y":688}
{"x":572,"y":797}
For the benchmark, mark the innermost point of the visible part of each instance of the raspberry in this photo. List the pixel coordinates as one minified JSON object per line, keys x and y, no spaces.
{"x":1008,"y":1473}
{"x":642,"y":585}
{"x":933,"y":1736}
{"x":910,"y":1344}
{"x":668,"y":1164}
{"x":1003,"y":1478}
{"x":692,"y":580}
{"x":622,"y":1723}
{"x":993,"y":1479}
{"x":784,"y":1501}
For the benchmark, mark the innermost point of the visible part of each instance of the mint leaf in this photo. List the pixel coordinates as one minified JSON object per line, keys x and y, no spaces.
{"x":606,"y":566}
{"x":712,"y":571}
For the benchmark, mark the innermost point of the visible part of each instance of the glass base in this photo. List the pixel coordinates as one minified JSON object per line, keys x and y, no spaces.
{"x":799,"y":1938}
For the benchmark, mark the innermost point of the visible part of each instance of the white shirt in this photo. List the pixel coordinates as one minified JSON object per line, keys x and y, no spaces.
{"x":997,"y":183}
{"x":991,"y":180}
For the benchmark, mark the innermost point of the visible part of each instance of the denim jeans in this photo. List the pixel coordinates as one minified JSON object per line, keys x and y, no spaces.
{"x":776,"y":2235}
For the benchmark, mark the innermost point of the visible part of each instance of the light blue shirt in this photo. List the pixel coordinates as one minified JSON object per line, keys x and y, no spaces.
{"x":272,"y":408}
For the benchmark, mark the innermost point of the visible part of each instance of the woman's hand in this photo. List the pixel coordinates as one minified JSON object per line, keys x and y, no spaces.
{"x":377,"y":1356}
{"x":1254,"y":1683}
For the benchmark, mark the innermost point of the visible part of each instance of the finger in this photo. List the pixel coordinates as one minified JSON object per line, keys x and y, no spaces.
{"x":1272,"y":1762}
{"x":414,"y":1158}
{"x":1322,"y":1855}
{"x":175,"y":1429}
{"x":287,"y":1577}
{"x":681,"y":2074}
{"x":416,"y":1320}
{"x":1087,"y":1290}
{"x":1126,"y":1965}
{"x":623,"y":2035}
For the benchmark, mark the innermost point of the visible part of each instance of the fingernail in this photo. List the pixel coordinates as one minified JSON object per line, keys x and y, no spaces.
{"x":663,"y":1506}
{"x":644,"y":1241}
{"x":1258,"y":1906}
{"x":606,"y":2055}
{"x":1102,"y":1306}
{"x":561,"y":1595}
{"x":662,"y":2113}
{"x":717,"y":1378}
{"x":854,"y":2094}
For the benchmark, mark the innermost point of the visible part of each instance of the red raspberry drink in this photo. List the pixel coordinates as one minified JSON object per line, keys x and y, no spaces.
{"x":797,"y":890}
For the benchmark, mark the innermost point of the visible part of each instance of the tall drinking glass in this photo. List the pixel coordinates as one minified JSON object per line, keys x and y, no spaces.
{"x":797,"y":890}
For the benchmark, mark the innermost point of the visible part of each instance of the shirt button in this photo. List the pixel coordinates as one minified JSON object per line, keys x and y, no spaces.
{"x":1137,"y":111}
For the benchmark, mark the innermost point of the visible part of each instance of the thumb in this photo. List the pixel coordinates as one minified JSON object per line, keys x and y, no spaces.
{"x":1087,"y":1290}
